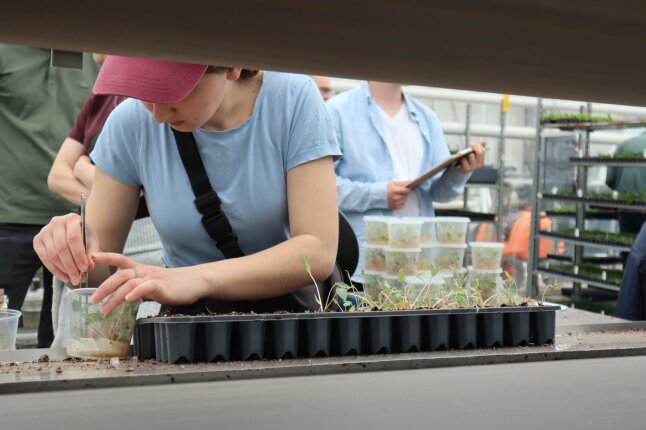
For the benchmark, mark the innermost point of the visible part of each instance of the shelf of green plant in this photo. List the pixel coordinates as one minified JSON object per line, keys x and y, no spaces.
{"x":610,"y":214}
{"x":635,"y":205}
{"x":596,"y":125}
{"x":592,"y":259}
{"x":581,"y":241}
{"x":604,"y":161}
{"x":581,"y":279}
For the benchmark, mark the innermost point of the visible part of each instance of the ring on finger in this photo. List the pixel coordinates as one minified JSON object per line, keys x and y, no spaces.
{"x":136,"y":273}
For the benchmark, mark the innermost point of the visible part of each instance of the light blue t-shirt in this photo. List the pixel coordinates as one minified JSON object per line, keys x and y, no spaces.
{"x":246,"y":166}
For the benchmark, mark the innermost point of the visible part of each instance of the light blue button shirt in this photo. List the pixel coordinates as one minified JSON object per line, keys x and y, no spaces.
{"x":246,"y":166}
{"x":366,"y":167}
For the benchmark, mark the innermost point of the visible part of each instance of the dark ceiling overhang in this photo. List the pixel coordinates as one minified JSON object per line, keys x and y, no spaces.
{"x":587,"y":50}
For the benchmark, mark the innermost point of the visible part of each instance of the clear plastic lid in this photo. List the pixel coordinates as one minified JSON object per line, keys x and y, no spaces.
{"x":421,"y":218}
{"x":452,"y":219}
{"x":406,"y":221}
{"x":402,"y":250}
{"x":486,"y":245}
{"x":377,"y":218}
{"x":367,"y":245}
{"x":446,"y":245}
{"x":373,"y":273}
{"x":485,"y":272}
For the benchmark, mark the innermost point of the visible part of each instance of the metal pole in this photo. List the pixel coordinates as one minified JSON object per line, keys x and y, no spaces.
{"x":467,"y":134}
{"x":501,"y":165}
{"x":581,"y":184}
{"x":532,"y":261}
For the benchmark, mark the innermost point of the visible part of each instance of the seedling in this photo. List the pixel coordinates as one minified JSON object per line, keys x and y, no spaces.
{"x":92,"y":334}
{"x":506,"y":292}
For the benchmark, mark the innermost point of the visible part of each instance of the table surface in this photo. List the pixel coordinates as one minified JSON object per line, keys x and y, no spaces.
{"x":580,"y":334}
{"x":605,"y":393}
{"x":528,"y":387}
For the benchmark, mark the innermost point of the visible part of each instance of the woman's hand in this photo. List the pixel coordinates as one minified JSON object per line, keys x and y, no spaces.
{"x":59,"y":245}
{"x":474,"y":160}
{"x":137,"y":281}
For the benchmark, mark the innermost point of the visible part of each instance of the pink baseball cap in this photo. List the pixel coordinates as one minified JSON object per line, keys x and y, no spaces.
{"x":154,"y":81}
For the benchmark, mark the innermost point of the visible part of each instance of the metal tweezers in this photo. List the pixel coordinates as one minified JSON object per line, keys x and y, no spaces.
{"x":84,"y":277}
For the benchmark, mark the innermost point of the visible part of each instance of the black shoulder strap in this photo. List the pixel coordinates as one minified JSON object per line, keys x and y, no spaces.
{"x":207,"y":201}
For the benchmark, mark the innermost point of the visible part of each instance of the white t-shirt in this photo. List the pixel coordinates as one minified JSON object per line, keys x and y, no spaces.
{"x":406,"y":148}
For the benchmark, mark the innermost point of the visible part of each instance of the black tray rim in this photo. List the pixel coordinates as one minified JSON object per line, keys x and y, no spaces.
{"x":192,"y":319}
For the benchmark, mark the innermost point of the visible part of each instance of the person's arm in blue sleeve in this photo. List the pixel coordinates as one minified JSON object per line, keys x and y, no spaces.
{"x":451,"y":183}
{"x":356,"y":196}
{"x":361,"y":196}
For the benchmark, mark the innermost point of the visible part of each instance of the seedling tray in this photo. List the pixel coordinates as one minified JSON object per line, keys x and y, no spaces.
{"x":593,"y":201}
{"x":277,"y":336}
{"x":606,"y":160}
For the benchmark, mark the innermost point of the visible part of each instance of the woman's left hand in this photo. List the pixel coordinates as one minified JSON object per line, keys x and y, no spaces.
{"x":474,"y":160}
{"x":138,"y":281}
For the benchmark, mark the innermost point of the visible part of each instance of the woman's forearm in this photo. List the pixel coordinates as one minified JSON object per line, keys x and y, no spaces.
{"x":67,"y":186}
{"x":269,"y":273}
{"x":61,"y":179}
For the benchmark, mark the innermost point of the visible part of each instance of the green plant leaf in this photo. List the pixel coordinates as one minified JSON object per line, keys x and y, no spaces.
{"x":306,"y":265}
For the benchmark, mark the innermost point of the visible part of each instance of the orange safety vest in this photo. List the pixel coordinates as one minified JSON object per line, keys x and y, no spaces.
{"x":517,"y":234}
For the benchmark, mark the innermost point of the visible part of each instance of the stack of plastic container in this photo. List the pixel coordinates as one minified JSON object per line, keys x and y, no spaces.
{"x":376,"y":229}
{"x":486,"y":259}
{"x":447,"y":253}
{"x":413,"y":245}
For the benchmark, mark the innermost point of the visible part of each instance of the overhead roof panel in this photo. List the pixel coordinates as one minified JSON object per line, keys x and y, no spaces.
{"x":593,"y":50}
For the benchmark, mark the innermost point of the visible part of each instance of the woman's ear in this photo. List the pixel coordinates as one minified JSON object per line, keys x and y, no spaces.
{"x":234,"y":74}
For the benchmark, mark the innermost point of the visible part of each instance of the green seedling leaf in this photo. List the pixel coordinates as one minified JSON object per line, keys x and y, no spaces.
{"x":306,"y":265}
{"x":401,"y":276}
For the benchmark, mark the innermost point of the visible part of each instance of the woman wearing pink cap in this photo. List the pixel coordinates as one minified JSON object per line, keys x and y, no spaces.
{"x":266,"y":146}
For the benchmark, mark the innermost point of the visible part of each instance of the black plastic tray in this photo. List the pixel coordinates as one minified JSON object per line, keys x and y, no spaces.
{"x":252,"y":337}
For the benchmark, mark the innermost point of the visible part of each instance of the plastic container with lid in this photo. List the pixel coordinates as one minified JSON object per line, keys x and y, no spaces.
{"x":391,"y":281}
{"x":401,"y":259}
{"x":486,"y":255}
{"x":93,"y":335}
{"x":375,"y":259}
{"x":372,"y":283}
{"x":376,"y":229}
{"x":418,"y":285}
{"x":451,"y":230}
{"x":404,"y":233}
{"x":487,"y":279}
{"x":425,"y":258}
{"x":8,"y":328}
{"x":448,"y":256}
{"x":428,"y":231}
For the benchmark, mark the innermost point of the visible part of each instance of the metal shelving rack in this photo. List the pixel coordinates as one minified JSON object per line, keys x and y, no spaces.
{"x":496,"y":216}
{"x":582,"y":162}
